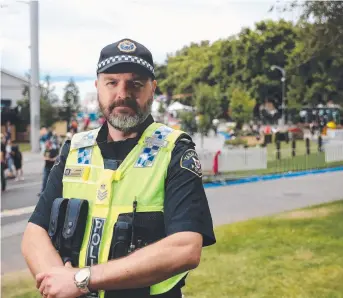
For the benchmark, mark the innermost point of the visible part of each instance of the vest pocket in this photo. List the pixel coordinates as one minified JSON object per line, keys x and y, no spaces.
{"x":134,"y":231}
{"x":74,"y":229}
{"x":57,"y":216}
{"x":149,"y":228}
{"x":141,"y":229}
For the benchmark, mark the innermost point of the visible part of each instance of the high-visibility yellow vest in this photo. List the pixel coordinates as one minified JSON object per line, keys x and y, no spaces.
{"x":110,"y":193}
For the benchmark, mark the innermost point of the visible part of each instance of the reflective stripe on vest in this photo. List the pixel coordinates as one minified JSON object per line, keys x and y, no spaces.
{"x":111,"y":193}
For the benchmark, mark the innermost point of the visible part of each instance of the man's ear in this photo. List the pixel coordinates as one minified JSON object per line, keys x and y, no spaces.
{"x":154,"y":85}
{"x":96,"y":83}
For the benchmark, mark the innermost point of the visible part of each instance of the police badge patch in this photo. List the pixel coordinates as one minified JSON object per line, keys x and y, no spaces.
{"x":127,"y":46}
{"x":190,"y":161}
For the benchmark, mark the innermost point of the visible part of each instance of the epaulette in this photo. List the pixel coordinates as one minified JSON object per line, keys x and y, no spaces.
{"x":186,"y":139}
{"x":84,"y":139}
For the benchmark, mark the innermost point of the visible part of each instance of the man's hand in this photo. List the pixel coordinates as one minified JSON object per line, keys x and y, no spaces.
{"x":58,"y":283}
{"x":40,"y":282}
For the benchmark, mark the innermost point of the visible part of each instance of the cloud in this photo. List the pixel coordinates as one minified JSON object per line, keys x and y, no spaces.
{"x":72,"y":33}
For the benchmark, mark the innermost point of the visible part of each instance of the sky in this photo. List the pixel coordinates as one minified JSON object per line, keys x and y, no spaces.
{"x":73,"y":32}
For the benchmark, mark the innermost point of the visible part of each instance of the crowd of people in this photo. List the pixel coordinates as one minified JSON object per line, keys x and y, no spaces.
{"x":11,"y":159}
{"x":50,"y":145}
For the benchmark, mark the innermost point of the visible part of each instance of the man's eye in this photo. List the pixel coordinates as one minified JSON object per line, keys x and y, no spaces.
{"x":138,"y":84}
{"x":112,"y":83}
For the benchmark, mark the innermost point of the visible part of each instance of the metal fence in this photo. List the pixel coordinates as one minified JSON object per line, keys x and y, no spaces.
{"x":335,"y":134}
{"x":237,"y":163}
{"x":333,"y":151}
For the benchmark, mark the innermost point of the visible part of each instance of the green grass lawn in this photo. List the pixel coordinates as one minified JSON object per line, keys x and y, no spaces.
{"x":294,"y":254}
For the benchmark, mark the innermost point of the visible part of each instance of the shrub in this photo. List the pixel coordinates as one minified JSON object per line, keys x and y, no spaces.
{"x":236,"y":142}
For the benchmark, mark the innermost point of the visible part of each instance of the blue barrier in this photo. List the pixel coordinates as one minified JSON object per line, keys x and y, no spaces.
{"x":226,"y":135}
{"x":271,"y":177}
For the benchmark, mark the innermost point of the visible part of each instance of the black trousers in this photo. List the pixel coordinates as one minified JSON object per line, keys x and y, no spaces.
{"x":3,"y":178}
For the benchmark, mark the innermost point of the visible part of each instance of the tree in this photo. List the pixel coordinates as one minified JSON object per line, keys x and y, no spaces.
{"x":188,"y":67}
{"x":160,"y":75}
{"x":311,"y":52}
{"x":48,"y":113}
{"x":328,"y":23}
{"x":256,"y":51}
{"x":47,"y":91}
{"x":207,"y":103}
{"x":161,"y":108}
{"x":241,"y":106}
{"x":71,"y":99}
{"x":316,"y":64}
{"x":188,"y":122}
{"x":207,"y":100}
{"x":245,"y":58}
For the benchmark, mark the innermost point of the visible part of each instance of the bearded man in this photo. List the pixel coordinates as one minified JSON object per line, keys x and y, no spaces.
{"x":147,"y":215}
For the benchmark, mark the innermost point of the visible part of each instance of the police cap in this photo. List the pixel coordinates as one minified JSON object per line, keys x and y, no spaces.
{"x":126,"y":55}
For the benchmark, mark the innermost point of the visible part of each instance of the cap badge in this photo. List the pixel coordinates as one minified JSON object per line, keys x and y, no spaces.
{"x":127,"y":46}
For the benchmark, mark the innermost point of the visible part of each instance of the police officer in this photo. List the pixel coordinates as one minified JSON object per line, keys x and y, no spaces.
{"x":131,"y":165}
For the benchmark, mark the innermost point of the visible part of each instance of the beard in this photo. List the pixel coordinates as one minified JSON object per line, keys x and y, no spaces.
{"x":126,"y":123}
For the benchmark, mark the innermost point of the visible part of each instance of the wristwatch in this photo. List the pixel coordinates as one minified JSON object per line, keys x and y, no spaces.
{"x":81,"y":279}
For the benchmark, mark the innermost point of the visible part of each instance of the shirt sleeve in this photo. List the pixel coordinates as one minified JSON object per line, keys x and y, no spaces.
{"x":185,"y":206}
{"x":53,"y":190}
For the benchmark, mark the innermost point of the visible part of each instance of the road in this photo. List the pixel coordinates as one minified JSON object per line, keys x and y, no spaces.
{"x":228,"y":204}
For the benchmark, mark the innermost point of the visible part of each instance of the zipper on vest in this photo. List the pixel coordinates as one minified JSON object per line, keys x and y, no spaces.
{"x":132,"y":244}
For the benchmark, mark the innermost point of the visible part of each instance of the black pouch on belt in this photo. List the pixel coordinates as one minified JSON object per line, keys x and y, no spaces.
{"x":57,"y":216}
{"x":74,"y":229}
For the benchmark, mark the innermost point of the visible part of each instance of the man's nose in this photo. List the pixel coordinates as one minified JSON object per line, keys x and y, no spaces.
{"x":123,"y":91}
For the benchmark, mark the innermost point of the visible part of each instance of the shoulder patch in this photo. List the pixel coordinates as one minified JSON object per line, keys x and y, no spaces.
{"x":190,"y":161}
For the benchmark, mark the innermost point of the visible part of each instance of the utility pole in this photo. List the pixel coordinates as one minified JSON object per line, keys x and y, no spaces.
{"x":34,"y":84}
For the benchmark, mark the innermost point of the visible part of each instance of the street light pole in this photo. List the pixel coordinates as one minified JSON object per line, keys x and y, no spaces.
{"x":283,"y":80}
{"x":34,"y":84}
{"x":34,"y":80}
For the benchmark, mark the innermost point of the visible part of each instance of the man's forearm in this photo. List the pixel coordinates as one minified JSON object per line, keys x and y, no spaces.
{"x":150,"y":265}
{"x":38,"y":251}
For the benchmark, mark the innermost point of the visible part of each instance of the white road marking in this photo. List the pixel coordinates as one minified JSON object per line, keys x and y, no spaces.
{"x":13,"y":229}
{"x":16,"y":212}
{"x":22,"y":185}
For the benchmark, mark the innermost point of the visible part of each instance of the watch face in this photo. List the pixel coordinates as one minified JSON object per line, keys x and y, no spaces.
{"x":82,"y":275}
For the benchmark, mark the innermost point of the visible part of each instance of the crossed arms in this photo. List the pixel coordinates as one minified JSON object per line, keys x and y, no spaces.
{"x":174,"y":254}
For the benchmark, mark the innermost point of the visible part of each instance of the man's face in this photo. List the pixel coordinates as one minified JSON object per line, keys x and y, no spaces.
{"x":125,"y":99}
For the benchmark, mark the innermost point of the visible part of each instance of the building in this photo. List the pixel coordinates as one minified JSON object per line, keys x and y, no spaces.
{"x":12,"y":86}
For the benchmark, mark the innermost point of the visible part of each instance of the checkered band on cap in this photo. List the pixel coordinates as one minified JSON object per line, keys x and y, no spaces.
{"x":126,"y":58}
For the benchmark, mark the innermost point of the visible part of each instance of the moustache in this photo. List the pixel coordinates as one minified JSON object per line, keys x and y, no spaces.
{"x":127,"y":102}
